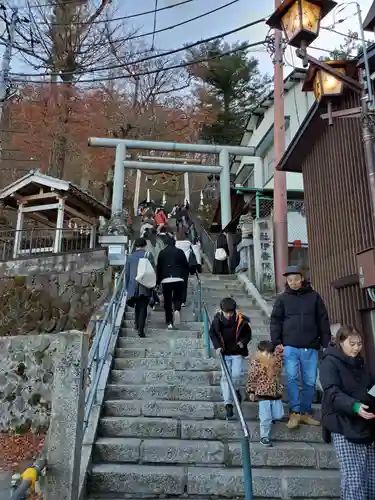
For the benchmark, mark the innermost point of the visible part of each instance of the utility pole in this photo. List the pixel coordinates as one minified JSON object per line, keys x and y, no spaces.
{"x":280,"y":207}
{"x":7,"y":57}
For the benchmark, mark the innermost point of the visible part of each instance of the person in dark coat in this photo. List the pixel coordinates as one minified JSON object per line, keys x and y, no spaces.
{"x":348,"y":413}
{"x":299,"y":322}
{"x":221,"y":266}
{"x":138,"y":295}
{"x":230,"y":334}
{"x":171,"y":272}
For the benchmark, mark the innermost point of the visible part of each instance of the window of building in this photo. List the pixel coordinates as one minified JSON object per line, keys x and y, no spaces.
{"x":246,"y":172}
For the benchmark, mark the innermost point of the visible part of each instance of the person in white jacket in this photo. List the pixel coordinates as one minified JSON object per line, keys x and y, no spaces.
{"x":196,"y":246}
{"x":185,"y":245}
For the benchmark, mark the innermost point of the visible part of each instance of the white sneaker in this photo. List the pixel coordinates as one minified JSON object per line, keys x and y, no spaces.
{"x":176,"y":318}
{"x":183,"y":305}
{"x":170,"y":327}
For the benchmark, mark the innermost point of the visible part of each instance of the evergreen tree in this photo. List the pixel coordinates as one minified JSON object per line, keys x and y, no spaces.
{"x":230,"y":85}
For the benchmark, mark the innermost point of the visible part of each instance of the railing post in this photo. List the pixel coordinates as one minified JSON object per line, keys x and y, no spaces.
{"x":247,"y":472}
{"x":199,"y":300}
{"x":206,"y":336}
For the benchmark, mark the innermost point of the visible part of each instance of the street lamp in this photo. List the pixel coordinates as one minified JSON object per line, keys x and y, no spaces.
{"x":324,"y":84}
{"x":300,"y":19}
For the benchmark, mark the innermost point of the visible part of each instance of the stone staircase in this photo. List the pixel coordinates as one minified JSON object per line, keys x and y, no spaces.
{"x":163,"y":433}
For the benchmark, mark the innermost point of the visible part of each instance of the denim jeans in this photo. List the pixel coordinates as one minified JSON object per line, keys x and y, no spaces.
{"x":269,"y":410}
{"x":235,"y":368}
{"x":305,"y":362}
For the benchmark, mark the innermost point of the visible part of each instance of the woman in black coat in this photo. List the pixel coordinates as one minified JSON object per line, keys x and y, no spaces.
{"x":348,"y":413}
{"x":221,"y":266}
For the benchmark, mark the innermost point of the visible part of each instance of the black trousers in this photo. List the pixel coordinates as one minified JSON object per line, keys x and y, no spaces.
{"x":140,"y":313}
{"x":173,"y":294}
{"x":184,"y":294}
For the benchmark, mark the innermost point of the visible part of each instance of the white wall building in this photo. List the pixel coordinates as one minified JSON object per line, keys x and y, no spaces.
{"x":257,"y":171}
{"x":256,"y":174}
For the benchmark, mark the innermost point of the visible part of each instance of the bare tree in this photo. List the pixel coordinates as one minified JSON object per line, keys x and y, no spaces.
{"x":66,"y":39}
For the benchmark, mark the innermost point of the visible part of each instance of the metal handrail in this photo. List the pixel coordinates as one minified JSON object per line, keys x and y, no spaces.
{"x":245,"y":442}
{"x":200,"y":308}
{"x":102,"y":340}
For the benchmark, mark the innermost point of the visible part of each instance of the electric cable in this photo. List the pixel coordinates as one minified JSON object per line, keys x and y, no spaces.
{"x":173,"y":26}
{"x":154,"y":28}
{"x":157,"y":56}
{"x":130,"y":16}
{"x":347,"y":35}
{"x":144,"y":73}
{"x":132,"y":37}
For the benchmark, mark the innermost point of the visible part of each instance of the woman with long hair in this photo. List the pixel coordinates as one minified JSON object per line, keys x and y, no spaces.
{"x":348,"y":413}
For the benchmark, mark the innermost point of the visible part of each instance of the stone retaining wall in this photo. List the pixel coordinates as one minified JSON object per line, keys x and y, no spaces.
{"x":26,"y":381}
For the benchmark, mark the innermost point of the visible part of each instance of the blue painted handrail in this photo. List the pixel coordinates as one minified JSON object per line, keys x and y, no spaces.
{"x":245,"y":441}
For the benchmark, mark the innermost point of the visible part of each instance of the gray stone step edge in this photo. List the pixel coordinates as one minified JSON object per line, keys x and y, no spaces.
{"x":216,"y":482}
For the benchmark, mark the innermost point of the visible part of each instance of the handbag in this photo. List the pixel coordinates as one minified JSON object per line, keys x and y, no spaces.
{"x":146,"y":275}
{"x":220,"y":254}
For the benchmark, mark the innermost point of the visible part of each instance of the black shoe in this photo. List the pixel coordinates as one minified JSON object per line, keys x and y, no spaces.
{"x":141,"y":334}
{"x":229,"y":411}
{"x":266,"y":442}
{"x":239,"y":397}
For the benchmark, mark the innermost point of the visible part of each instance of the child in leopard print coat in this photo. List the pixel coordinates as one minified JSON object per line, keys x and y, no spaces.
{"x":263,"y":385}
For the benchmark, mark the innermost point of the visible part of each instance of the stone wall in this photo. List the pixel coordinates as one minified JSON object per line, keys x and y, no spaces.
{"x":26,"y":381}
{"x":56,"y":264}
{"x":36,"y":298}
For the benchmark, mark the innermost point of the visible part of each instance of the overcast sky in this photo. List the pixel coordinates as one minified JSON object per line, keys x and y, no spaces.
{"x":240,"y":13}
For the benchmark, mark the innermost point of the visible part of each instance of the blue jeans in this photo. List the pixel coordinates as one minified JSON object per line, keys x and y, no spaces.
{"x":269,"y":410}
{"x":305,"y":362}
{"x":235,"y":368}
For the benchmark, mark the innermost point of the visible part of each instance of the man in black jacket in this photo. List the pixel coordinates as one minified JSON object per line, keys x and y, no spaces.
{"x":172,"y":270}
{"x":299,"y":322}
{"x":230,"y":333}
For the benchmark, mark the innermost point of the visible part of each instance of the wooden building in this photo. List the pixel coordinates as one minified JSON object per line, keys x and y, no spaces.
{"x":338,"y":209}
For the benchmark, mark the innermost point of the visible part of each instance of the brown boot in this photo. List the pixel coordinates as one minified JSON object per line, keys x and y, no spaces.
{"x":307,"y":419}
{"x":294,"y":421}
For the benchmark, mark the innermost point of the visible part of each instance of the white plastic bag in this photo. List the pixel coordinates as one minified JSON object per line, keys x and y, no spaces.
{"x":220,"y":254}
{"x":146,"y":275}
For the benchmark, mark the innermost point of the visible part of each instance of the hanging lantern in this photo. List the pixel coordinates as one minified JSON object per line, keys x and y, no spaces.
{"x":325,"y":85}
{"x":300,"y":19}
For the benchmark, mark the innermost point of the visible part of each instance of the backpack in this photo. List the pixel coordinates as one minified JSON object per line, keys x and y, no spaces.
{"x":146,"y":275}
{"x":220,"y":254}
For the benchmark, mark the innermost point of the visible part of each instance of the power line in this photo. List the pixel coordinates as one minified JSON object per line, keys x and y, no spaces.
{"x":173,"y":26}
{"x":149,"y":58}
{"x":161,"y":30}
{"x":346,"y":35}
{"x":151,"y":72}
{"x":130,"y":16}
{"x":154,"y":29}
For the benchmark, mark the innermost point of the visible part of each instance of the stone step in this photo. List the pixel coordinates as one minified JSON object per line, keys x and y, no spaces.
{"x":158,"y":351}
{"x":185,"y":325}
{"x":258,"y":330}
{"x":167,"y":363}
{"x":162,"y":332}
{"x":165,"y":350}
{"x":169,"y":377}
{"x":179,"y":409}
{"x":168,"y":392}
{"x":195,"y":452}
{"x":143,"y":427}
{"x":217,"y":482}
